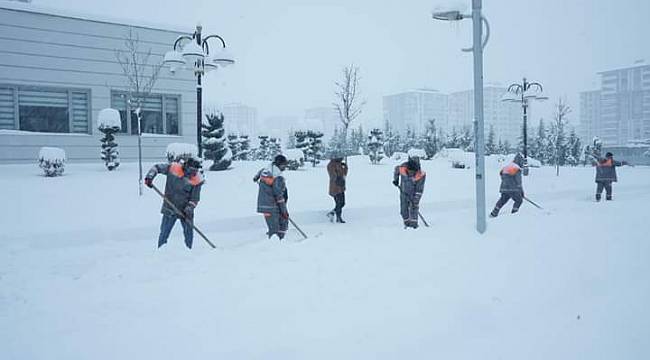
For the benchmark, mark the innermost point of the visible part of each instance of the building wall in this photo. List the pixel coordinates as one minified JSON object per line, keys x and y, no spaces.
{"x":625,"y":105}
{"x":327,"y":117}
{"x":589,"y":115}
{"x":413,"y":109}
{"x":45,"y":50}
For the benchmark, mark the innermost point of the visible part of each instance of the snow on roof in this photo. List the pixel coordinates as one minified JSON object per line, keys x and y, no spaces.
{"x":67,"y":13}
{"x":51,"y":154}
{"x":109,"y":118}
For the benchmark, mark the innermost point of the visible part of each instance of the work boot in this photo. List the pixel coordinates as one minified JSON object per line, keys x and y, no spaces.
{"x":608,"y":197}
{"x":494,"y":213}
{"x":514,"y":210}
{"x":330,"y":215}
{"x":598,"y":197}
{"x":340,"y":220}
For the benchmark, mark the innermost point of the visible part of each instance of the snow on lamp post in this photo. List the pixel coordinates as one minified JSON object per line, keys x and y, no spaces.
{"x":195,"y":55}
{"x":479,"y":43}
{"x":523,"y":93}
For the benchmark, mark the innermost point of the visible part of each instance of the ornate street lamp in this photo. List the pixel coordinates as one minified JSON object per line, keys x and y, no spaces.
{"x":523,"y":93}
{"x":196,"y":56}
{"x":479,"y":128}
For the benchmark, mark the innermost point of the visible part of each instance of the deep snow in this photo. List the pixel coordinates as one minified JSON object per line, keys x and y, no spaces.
{"x":80,"y":277}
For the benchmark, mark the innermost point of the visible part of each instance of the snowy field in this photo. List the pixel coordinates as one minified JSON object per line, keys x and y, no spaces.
{"x":81,"y":278}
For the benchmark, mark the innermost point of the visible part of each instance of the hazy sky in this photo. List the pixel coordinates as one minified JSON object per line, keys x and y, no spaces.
{"x":289,"y":53}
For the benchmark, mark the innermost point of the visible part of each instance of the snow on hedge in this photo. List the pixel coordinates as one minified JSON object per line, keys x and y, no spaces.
{"x":417,"y":153}
{"x":294,"y":154}
{"x":51,"y":154}
{"x":109,"y":118}
{"x":175,"y":151}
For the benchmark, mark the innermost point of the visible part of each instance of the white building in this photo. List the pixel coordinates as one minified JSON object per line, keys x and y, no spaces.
{"x":505,"y":117}
{"x":413,"y":109}
{"x":625,"y":105}
{"x":590,"y":115}
{"x":58,"y":70}
{"x":240,"y":119}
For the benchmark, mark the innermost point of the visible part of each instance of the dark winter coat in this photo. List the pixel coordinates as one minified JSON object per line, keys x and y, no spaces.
{"x":511,"y":179}
{"x":411,"y":182}
{"x":337,"y":171}
{"x":181,"y":189}
{"x":606,"y":170}
{"x":272,"y":195}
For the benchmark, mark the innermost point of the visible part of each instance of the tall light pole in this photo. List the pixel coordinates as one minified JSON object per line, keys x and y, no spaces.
{"x":479,"y":127}
{"x":195,"y":55}
{"x":523,"y":93}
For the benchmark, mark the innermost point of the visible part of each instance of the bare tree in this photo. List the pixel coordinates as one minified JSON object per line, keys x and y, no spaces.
{"x":141,"y":77}
{"x":348,"y":105}
{"x":562,"y":109}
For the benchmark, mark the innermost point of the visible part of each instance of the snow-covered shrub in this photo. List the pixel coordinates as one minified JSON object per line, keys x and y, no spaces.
{"x":399,"y":156}
{"x":109,"y":123}
{"x":295,"y":157}
{"x":311,"y":144}
{"x":51,"y":160}
{"x":214,"y":142}
{"x":180,"y":151}
{"x":420,"y":153}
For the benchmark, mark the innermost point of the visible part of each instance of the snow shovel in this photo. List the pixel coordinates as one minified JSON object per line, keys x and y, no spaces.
{"x":297,"y":228}
{"x":182,"y":216}
{"x":535,"y":205}
{"x":419,"y":214}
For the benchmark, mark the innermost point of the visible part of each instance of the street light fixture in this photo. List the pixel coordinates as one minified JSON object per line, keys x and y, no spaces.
{"x":195,"y":55}
{"x":523,"y":93}
{"x":479,"y":127}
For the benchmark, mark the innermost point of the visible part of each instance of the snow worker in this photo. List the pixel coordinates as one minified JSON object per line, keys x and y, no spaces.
{"x":606,"y":174}
{"x":338,"y":171}
{"x":272,"y":197}
{"x":511,"y":185}
{"x":183,"y":189}
{"x":410,"y":179}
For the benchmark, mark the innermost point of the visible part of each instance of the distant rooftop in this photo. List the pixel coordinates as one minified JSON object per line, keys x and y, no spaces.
{"x":27,"y":6}
{"x":636,"y":64}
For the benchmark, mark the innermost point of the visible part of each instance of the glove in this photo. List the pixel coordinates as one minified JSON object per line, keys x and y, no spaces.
{"x":149,"y":182}
{"x":395,"y":182}
{"x":189,"y":212}
{"x":285,"y":215}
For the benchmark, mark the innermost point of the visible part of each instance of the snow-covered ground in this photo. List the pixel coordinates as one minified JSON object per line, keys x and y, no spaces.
{"x":81,"y":278}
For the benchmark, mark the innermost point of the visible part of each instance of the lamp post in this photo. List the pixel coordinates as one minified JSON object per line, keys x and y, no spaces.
{"x":195,"y":55}
{"x":479,"y":127}
{"x":522,"y":93}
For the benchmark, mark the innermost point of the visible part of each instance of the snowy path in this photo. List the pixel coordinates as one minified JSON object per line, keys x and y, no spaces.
{"x":569,"y":284}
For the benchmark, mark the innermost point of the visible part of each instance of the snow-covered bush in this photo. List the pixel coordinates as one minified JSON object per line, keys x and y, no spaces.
{"x":420,"y":153}
{"x":109,"y":123}
{"x":295,"y":157}
{"x":399,"y":156}
{"x":311,"y":144}
{"x":456,"y":157}
{"x":214,"y":142}
{"x":179,"y":151}
{"x":51,"y":160}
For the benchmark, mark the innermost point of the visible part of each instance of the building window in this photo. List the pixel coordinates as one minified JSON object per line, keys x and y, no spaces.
{"x":41,"y":109}
{"x":159,"y":114}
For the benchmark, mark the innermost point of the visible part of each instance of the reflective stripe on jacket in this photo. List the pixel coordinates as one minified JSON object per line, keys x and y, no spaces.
{"x":511,"y":179}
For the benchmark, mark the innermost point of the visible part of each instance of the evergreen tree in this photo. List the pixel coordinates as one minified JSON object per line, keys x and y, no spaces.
{"x":574,"y":148}
{"x":214,"y":142}
{"x":263,"y":151}
{"x":291,"y":140}
{"x":235,"y":146}
{"x":453,"y":141}
{"x":500,"y":148}
{"x":466,"y":139}
{"x":110,"y":154}
{"x":507,"y":148}
{"x":244,"y":147}
{"x":336,"y":146}
{"x":490,"y":145}
{"x":275,"y":147}
{"x":376,"y":146}
{"x":431,"y":141}
{"x":410,"y":140}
